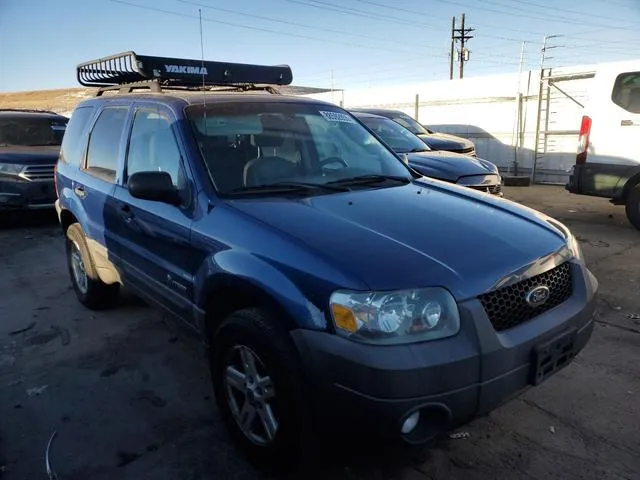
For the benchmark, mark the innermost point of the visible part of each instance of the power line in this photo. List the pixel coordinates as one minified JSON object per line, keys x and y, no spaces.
{"x":361,"y":13}
{"x":399,"y":21}
{"x":606,"y":48}
{"x":529,"y":16}
{"x":560,"y":9}
{"x":260,"y":29}
{"x":327,"y":6}
{"x":395,"y":8}
{"x":553,"y":16}
{"x":297,"y":24}
{"x":284,"y":22}
{"x":603,"y":42}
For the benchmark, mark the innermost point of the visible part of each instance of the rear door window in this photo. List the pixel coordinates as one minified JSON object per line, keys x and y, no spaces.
{"x":626,"y":91}
{"x":153,"y":147}
{"x":104,"y":143}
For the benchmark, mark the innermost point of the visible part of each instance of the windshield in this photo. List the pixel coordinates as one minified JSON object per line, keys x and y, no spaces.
{"x":255,"y":144}
{"x":31,"y":131}
{"x":409,"y":123}
{"x":396,"y":136}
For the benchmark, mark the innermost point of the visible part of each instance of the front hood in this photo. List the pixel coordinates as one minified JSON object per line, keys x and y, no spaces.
{"x":449,"y":166}
{"x":428,"y":233}
{"x":443,"y":141}
{"x":43,"y":155}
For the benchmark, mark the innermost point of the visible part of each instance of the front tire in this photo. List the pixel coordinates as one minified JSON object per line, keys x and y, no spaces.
{"x":92,"y":292}
{"x":259,"y":388}
{"x":632,"y":206}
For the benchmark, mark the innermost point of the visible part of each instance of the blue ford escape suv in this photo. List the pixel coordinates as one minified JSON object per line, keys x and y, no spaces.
{"x":334,"y":285}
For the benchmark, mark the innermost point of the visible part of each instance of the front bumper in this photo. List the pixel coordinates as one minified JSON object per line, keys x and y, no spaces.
{"x":374,"y":389}
{"x":18,"y":194}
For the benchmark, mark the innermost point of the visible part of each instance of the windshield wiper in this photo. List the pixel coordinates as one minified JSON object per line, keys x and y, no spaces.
{"x":369,"y":179}
{"x":286,"y":187}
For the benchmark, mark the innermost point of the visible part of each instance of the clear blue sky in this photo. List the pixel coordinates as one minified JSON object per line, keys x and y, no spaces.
{"x":364,"y":42}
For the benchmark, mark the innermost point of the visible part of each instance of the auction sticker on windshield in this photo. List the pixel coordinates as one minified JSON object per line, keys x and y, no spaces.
{"x":336,"y":117}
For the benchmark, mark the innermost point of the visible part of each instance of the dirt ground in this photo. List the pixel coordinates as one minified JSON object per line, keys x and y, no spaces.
{"x":128,"y":393}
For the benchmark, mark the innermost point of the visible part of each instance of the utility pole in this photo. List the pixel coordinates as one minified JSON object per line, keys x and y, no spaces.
{"x":462,"y":35}
{"x":453,"y":46}
{"x":332,"y":85}
{"x":462,"y":49}
{"x":517,"y":128}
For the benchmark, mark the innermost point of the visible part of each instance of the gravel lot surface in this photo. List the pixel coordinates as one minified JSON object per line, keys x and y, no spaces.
{"x":128,"y":392}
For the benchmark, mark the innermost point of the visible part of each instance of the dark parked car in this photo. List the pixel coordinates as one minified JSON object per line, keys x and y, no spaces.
{"x":29,"y":148}
{"x":336,"y":288}
{"x":435,"y":141}
{"x":448,"y":166}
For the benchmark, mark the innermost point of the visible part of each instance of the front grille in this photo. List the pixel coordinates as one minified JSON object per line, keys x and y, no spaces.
{"x":466,"y":151}
{"x":507,"y":306}
{"x":492,"y":189}
{"x":38,"y":173}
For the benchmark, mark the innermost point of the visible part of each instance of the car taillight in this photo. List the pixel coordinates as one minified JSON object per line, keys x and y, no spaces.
{"x":583,"y":141}
{"x":55,"y":178}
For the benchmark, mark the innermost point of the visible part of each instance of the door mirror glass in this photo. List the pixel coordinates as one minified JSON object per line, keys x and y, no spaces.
{"x":155,"y":186}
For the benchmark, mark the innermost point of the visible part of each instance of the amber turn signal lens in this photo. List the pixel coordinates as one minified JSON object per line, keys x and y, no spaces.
{"x":344,"y":318}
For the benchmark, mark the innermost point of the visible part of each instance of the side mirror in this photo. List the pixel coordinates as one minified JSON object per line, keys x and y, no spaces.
{"x":155,"y":186}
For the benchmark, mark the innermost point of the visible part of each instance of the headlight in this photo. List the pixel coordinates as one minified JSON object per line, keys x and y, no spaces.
{"x":574,"y":246}
{"x":572,"y":242}
{"x":10,"y":168}
{"x":403,"y":316}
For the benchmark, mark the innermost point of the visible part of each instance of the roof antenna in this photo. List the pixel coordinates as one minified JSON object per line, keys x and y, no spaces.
{"x":204,"y":100}
{"x":201,"y":49}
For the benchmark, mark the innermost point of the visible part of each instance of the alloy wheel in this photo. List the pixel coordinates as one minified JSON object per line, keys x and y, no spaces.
{"x":251,"y":395}
{"x":77,"y":267}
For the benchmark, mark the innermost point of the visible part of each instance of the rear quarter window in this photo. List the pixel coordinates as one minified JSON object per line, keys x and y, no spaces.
{"x":626,"y":92}
{"x":74,"y":140}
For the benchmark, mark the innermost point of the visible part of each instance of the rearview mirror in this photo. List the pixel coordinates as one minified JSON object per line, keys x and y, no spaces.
{"x":155,"y":186}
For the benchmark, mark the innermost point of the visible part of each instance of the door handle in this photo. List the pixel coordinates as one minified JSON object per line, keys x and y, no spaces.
{"x":80,"y":191}
{"x":126,"y":212}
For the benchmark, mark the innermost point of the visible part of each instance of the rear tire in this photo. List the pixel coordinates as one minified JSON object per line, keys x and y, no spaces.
{"x":92,"y":292}
{"x":246,"y":408}
{"x":632,"y":206}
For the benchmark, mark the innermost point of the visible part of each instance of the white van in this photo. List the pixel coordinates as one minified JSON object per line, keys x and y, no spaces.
{"x":608,"y":159}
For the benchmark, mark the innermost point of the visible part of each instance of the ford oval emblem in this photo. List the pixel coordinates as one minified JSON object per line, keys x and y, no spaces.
{"x":537,"y":295}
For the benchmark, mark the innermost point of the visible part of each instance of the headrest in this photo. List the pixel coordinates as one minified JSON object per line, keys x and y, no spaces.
{"x":269,"y":141}
{"x":274,"y":130}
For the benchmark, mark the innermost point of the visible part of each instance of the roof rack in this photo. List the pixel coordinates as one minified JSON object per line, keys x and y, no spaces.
{"x":128,"y":71}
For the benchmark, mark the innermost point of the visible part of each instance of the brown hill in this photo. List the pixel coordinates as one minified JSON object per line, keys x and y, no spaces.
{"x":60,"y":101}
{"x":64,"y":100}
